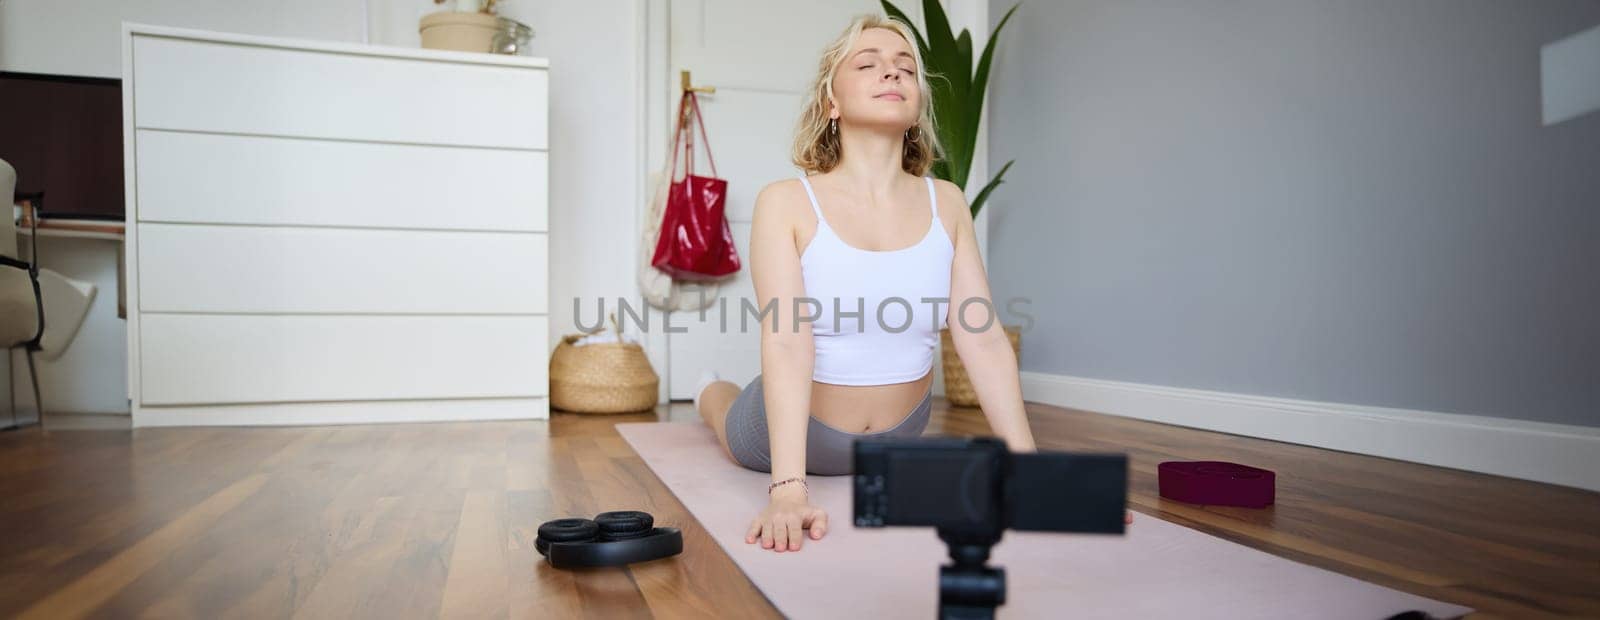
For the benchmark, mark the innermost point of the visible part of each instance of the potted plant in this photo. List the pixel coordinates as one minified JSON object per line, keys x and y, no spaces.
{"x":958,"y":92}
{"x":473,"y":26}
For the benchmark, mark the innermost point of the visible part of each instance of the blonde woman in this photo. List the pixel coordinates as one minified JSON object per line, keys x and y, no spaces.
{"x":862,"y":226}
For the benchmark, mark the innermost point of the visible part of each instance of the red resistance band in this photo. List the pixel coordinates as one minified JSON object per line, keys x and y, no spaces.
{"x":1216,"y":483}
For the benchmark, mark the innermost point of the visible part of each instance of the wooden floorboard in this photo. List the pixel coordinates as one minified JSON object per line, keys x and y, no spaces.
{"x":426,"y":520}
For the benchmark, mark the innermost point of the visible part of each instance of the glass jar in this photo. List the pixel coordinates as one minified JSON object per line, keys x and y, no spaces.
{"x":511,"y":37}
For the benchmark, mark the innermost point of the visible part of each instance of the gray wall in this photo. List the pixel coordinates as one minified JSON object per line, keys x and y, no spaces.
{"x":1329,"y":200}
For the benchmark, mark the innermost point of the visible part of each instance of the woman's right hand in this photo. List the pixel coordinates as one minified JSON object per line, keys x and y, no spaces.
{"x":781,"y":526}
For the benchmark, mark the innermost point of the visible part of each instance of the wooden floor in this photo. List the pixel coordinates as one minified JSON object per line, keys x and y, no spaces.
{"x":439,"y":519}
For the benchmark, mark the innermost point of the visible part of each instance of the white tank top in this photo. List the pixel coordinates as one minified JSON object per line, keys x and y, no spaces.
{"x":864,"y":336}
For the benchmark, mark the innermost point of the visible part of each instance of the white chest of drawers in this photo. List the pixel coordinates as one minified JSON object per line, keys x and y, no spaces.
{"x":328,"y":233}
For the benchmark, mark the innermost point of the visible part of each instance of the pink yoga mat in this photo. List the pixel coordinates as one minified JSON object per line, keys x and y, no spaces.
{"x":1158,"y":570}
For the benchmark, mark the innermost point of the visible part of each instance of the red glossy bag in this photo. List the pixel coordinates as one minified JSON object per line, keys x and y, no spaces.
{"x":695,"y":242}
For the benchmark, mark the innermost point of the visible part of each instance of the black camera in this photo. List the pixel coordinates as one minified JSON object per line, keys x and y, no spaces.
{"x":973,"y":489}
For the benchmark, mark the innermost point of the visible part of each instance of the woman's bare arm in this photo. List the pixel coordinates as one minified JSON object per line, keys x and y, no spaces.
{"x":787,"y":351}
{"x":985,"y":352}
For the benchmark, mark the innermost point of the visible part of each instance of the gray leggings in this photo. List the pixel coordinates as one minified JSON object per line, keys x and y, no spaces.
{"x":829,"y":451}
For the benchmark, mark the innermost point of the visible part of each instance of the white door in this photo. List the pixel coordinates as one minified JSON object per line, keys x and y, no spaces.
{"x":760,"y":56}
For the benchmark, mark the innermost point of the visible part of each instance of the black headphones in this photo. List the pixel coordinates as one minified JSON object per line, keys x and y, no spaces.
{"x":610,"y":539}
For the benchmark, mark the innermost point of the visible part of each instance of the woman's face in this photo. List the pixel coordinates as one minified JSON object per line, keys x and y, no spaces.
{"x":876,"y":84}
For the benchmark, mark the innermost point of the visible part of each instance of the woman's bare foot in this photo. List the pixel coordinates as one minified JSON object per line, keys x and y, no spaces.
{"x":707,"y":377}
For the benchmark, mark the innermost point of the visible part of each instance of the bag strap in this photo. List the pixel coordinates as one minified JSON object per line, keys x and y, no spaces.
{"x":701,"y":121}
{"x":677,"y":136}
{"x":689,"y":112}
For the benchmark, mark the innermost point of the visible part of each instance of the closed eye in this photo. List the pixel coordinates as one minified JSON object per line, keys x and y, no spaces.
{"x":908,"y":71}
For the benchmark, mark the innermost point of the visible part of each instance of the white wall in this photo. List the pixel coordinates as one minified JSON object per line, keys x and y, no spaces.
{"x":1371,"y":214}
{"x":595,"y":136}
{"x":1569,"y":76}
{"x":1338,"y":223}
{"x":80,"y":37}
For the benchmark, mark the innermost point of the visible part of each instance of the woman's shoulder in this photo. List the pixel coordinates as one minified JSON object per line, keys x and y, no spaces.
{"x":781,"y":200}
{"x":951,"y":201}
{"x":781,"y":212}
{"x":783,"y":186}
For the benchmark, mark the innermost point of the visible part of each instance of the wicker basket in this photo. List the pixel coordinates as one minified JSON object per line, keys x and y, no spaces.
{"x":602,"y":377}
{"x":957,"y":385}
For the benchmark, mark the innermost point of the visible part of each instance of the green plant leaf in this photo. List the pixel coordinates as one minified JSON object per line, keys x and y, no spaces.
{"x":940,"y":39}
{"x":949,"y":93}
{"x":964,"y":54}
{"x":981,"y":79}
{"x":995,"y":181}
{"x":895,"y":12}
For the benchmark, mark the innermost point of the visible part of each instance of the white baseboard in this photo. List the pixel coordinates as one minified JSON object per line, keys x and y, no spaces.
{"x":23,"y":415}
{"x":1552,"y":453}
{"x":369,"y":412}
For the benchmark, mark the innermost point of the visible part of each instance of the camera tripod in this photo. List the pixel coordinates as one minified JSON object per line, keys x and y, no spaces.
{"x":969,"y":589}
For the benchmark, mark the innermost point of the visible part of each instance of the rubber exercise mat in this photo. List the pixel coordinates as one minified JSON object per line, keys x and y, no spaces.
{"x":1158,"y":570}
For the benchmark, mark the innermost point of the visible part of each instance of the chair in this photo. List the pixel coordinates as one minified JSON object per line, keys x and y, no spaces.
{"x":24,"y":321}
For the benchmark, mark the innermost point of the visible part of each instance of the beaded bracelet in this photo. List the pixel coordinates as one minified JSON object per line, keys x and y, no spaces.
{"x":775,"y":485}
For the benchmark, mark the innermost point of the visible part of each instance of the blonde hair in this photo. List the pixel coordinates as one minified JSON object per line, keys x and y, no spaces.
{"x":818,"y":150}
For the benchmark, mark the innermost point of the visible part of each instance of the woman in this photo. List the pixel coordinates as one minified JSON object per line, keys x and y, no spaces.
{"x":870,"y":226}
